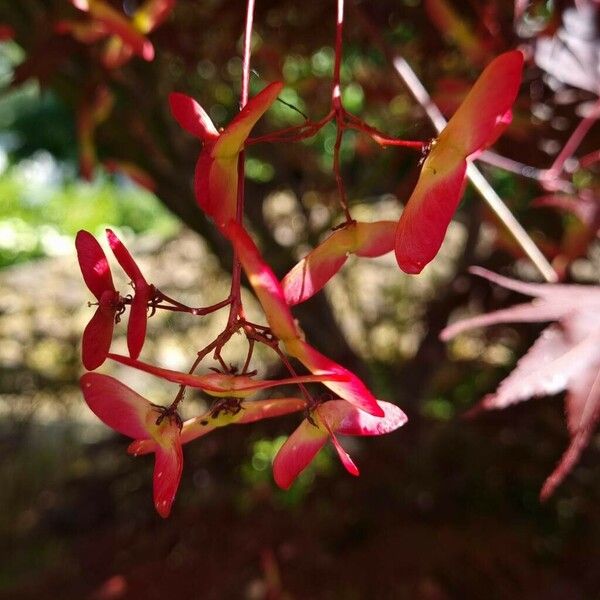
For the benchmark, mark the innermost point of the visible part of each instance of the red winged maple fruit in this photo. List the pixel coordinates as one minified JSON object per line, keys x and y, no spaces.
{"x":127,"y":412}
{"x":239,"y":414}
{"x":126,"y":36}
{"x":566,"y":356}
{"x":327,"y":419}
{"x":319,"y":266}
{"x":97,"y":335}
{"x":216,"y":177}
{"x":272,"y":299}
{"x":478,"y":122}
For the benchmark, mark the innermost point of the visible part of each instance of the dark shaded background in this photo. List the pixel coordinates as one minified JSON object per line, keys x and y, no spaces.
{"x":445,"y":507}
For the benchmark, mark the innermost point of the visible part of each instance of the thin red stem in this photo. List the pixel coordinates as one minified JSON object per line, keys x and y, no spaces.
{"x":235,"y":309}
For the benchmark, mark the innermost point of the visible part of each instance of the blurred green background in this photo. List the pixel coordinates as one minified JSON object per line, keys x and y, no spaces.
{"x":446,"y":507}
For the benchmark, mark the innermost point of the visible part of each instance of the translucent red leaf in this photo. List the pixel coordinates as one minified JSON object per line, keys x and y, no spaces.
{"x":138,"y":319}
{"x":266,"y":286}
{"x":345,"y":458}
{"x":346,"y":419}
{"x":124,"y":258}
{"x":475,"y":125}
{"x":425,"y":218}
{"x":354,"y":390}
{"x":93,"y":264}
{"x":321,"y":264}
{"x":250,"y":412}
{"x":297,"y":453}
{"x":116,"y":405}
{"x":167,"y":468}
{"x":151,"y":14}
{"x":218,"y":384}
{"x":231,"y":141}
{"x":192,"y":117}
{"x":97,"y":337}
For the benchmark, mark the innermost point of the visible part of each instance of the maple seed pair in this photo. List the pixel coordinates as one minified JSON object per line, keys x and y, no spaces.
{"x":418,"y":235}
{"x":125,"y":36}
{"x":96,"y":273}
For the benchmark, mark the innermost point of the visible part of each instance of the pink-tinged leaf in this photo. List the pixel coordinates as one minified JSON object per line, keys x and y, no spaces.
{"x":97,"y":336}
{"x":539,"y":290}
{"x":565,"y":356}
{"x":151,"y":14}
{"x":297,"y":453}
{"x":221,"y":385}
{"x":192,"y":117}
{"x":354,"y":390}
{"x":552,"y":302}
{"x":475,"y":122}
{"x":231,"y":141}
{"x":116,"y":405}
{"x":124,"y":258}
{"x":216,"y":177}
{"x":256,"y":410}
{"x":429,"y":210}
{"x":584,"y":392}
{"x":138,"y":319}
{"x":346,"y":419}
{"x":319,"y":266}
{"x":579,"y":441}
{"x":167,"y":468}
{"x":266,"y":286}
{"x":203,"y":424}
{"x":538,"y":373}
{"x":93,"y":264}
{"x":528,"y":312}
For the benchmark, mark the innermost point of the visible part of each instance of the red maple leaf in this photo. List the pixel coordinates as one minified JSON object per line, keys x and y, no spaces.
{"x":566,"y":356}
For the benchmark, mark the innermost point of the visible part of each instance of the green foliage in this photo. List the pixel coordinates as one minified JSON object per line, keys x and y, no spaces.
{"x":41,"y":210}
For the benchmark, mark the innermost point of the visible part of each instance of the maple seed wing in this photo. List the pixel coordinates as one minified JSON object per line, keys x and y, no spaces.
{"x":167,"y":469}
{"x":483,"y":114}
{"x":138,"y":320}
{"x":97,"y":337}
{"x":310,"y":275}
{"x":346,"y":419}
{"x":262,"y":279}
{"x":232,"y":139}
{"x":93,"y":264}
{"x":118,"y":25}
{"x":297,"y":453}
{"x":426,"y":216}
{"x":192,"y":117}
{"x":353,"y":390}
{"x":151,"y":14}
{"x":344,"y":456}
{"x":124,"y":258}
{"x":116,"y":405}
